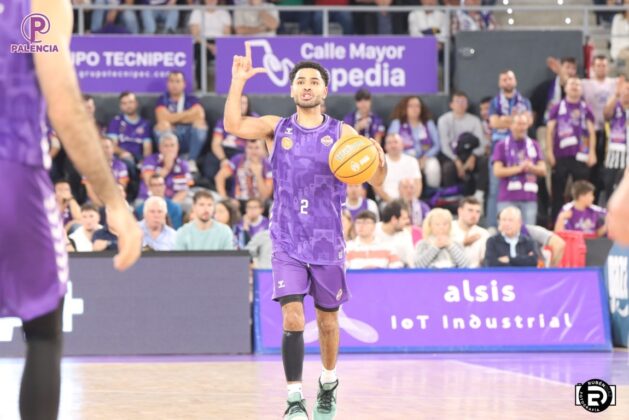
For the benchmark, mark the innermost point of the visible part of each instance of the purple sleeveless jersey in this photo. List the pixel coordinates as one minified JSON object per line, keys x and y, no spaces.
{"x":33,"y":260}
{"x":306,"y":216}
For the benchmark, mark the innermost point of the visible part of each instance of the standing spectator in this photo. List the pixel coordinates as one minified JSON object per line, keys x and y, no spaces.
{"x":399,"y":166}
{"x":363,"y":119}
{"x":550,"y":92}
{"x":169,"y":166}
{"x":342,"y":18}
{"x":130,"y":132}
{"x":517,"y":162}
{"x":169,"y":16}
{"x":257,"y":22}
{"x":509,"y":247}
{"x":67,"y":205}
{"x":503,"y":106}
{"x":483,"y":113}
{"x":110,"y":16}
{"x":438,"y":249}
{"x":429,"y":22}
{"x":304,"y":20}
{"x":417,"y":209}
{"x":158,"y":236}
{"x":581,"y":214}
{"x":251,"y":172}
{"x":261,"y":249}
{"x":392,"y":229}
{"x":157,"y":188}
{"x":81,"y":238}
{"x":204,"y":233}
{"x":473,"y":20}
{"x":462,"y":145}
{"x":412,"y":122}
{"x":619,"y":42}
{"x":357,"y":201}
{"x":217,"y":23}
{"x":365,"y":251}
{"x":570,"y":142}
{"x":617,"y":113}
{"x":252,"y":222}
{"x":118,"y":169}
{"x":182,"y":114}
{"x":467,"y":233}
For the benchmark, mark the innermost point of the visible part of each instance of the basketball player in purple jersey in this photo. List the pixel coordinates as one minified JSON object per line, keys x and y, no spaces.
{"x":306,"y":229}
{"x":33,"y":260}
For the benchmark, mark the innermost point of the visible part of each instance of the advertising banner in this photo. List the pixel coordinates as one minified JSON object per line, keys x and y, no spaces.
{"x":455,"y":310}
{"x":617,"y":280}
{"x":115,"y":63}
{"x":401,"y":65}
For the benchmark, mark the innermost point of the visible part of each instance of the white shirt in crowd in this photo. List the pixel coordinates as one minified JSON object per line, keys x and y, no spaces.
{"x":374,"y":255}
{"x":406,"y":167}
{"x":215,"y":22}
{"x":81,"y":241}
{"x":402,"y":243}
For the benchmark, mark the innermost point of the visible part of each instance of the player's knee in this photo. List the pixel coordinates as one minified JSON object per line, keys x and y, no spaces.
{"x":294,"y":320}
{"x":328,"y":324}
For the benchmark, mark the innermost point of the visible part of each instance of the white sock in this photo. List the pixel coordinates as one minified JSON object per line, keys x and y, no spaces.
{"x":328,"y":376}
{"x":296,"y":387}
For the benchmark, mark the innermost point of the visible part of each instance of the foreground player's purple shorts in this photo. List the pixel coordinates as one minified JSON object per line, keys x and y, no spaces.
{"x":33,"y":259}
{"x":325,"y":283}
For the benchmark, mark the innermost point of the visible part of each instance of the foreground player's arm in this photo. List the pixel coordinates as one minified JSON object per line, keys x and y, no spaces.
{"x":245,"y":127}
{"x":76,"y":129}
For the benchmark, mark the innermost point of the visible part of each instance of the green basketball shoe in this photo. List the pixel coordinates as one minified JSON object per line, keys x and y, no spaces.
{"x":296,"y":409}
{"x":325,"y":407}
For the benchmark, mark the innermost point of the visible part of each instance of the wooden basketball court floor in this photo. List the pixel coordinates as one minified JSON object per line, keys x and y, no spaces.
{"x":421,"y":386}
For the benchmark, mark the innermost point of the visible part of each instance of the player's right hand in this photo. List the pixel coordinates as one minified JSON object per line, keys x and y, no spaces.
{"x":122,"y":224}
{"x":242,"y":68}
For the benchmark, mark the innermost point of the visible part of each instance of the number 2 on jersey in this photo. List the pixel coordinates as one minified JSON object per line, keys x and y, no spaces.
{"x":304,"y":206}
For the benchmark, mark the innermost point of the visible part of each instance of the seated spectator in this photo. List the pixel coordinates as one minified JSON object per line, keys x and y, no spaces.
{"x":363,"y":119}
{"x":251,"y":172}
{"x":570,"y":142}
{"x":303,"y":20}
{"x":203,"y":233}
{"x":417,"y":209}
{"x":127,"y":18}
{"x":261,"y":249}
{"x":118,"y":169}
{"x":158,"y":236}
{"x":216,"y":22}
{"x":462,"y":145}
{"x":581,"y":214}
{"x":157,"y":188}
{"x":483,"y":113}
{"x":357,"y":201}
{"x":182,"y":113}
{"x":429,"y":22}
{"x":67,"y":205}
{"x":257,"y":22}
{"x":81,"y":238}
{"x":619,"y":42}
{"x":547,"y":238}
{"x":509,"y":247}
{"x":227,"y":213}
{"x":438,"y":249}
{"x":467,"y":233}
{"x":130,"y":132}
{"x":252,"y":222}
{"x":617,"y":114}
{"x":173,"y":169}
{"x":349,"y":232}
{"x":399,"y":166}
{"x":364,"y":251}
{"x":517,"y":163}
{"x":412,"y":122}
{"x":170,"y":17}
{"x":225,"y":145}
{"x":393,"y":230}
{"x":473,"y":20}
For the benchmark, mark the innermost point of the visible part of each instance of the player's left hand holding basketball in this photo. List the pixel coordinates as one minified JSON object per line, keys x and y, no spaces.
{"x":122,"y":223}
{"x":380,"y":152}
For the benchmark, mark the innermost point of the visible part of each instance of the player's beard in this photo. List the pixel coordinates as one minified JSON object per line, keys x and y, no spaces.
{"x":312,"y":103}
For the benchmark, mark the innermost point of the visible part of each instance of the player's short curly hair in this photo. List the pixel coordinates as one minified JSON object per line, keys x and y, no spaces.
{"x":309,"y":65}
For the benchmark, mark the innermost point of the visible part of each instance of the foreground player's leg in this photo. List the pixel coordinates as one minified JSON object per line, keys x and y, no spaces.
{"x":328,"y":323}
{"x":293,"y":355}
{"x":41,"y":380}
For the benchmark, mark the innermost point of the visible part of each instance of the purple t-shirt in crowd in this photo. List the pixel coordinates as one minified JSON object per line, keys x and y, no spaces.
{"x":587,"y":221}
{"x":179,"y":178}
{"x":130,"y":135}
{"x":245,"y":186}
{"x":571,"y":134}
{"x":187,"y":102}
{"x":521,"y":187}
{"x":375,"y":126}
{"x":306,"y":215}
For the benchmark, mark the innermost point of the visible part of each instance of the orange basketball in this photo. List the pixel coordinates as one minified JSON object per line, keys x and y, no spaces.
{"x":353,"y":159}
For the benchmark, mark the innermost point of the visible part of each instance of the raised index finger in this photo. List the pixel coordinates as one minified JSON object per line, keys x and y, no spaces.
{"x":247,"y":50}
